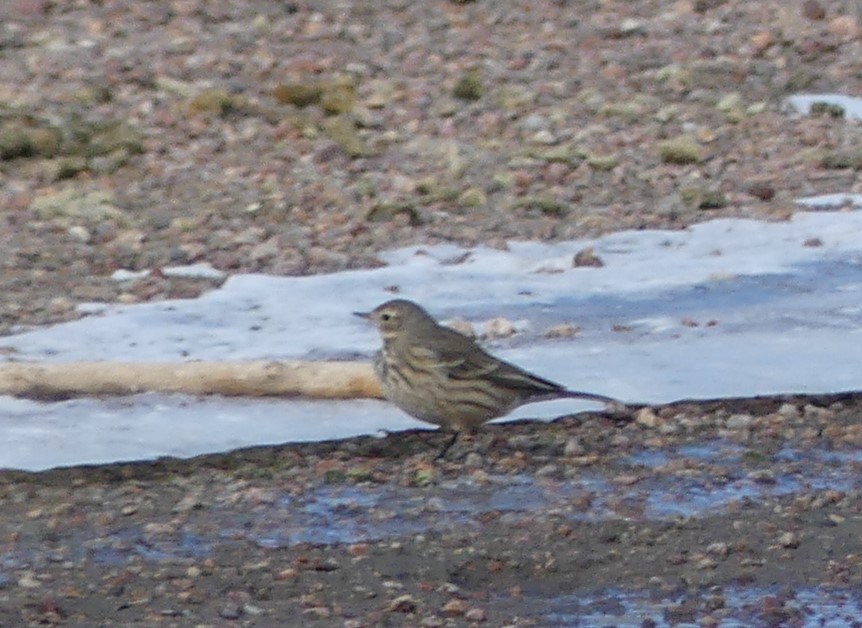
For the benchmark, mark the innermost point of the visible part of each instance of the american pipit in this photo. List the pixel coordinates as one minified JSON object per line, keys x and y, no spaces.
{"x":439,"y":376}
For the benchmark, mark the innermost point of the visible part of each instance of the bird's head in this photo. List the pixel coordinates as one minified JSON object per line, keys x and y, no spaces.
{"x":393,"y":317}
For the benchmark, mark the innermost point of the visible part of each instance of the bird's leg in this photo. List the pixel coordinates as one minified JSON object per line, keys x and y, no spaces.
{"x":448,"y":445}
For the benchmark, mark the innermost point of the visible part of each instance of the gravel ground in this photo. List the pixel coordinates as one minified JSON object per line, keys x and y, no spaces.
{"x":299,"y":137}
{"x":689,"y":502}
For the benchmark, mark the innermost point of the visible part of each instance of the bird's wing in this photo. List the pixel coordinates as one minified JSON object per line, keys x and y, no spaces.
{"x":461,"y":358}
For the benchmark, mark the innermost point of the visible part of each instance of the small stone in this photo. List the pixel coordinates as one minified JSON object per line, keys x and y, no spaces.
{"x":632,"y":26}
{"x":574,"y":447}
{"x":455,"y":607}
{"x":602,"y":163}
{"x":587,"y":258}
{"x":647,"y":418}
{"x":473,"y":197}
{"x":321,"y":612}
{"x":28,"y":580}
{"x":386,"y":211}
{"x":762,"y":476}
{"x":679,"y":150}
{"x":845,"y":26}
{"x":473,"y":460}
{"x":789,"y":540}
{"x":534,"y":122}
{"x":287,"y":574}
{"x":548,"y":470}
{"x":79,"y":233}
{"x":187,"y":503}
{"x":762,"y":191}
{"x":563,"y":330}
{"x":706,"y":563}
{"x":761,"y":41}
{"x":402,"y":604}
{"x":476,"y":615}
{"x":719,"y":549}
{"x":469,"y":86}
{"x":789,"y":411}
{"x":740,"y":421}
{"x":499,"y":328}
{"x":813,"y":10}
{"x":299,"y":94}
{"x":60,"y":305}
{"x":230,"y":611}
{"x":543,"y":137}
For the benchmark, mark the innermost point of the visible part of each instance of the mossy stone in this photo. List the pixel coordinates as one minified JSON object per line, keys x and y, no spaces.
{"x":679,"y":150}
{"x":386,"y":211}
{"x":469,"y":86}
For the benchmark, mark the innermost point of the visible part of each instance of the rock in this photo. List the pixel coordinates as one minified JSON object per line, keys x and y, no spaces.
{"x":342,"y":130}
{"x":544,"y":204}
{"x":534,"y":122}
{"x":402,"y":604}
{"x":563,"y":330}
{"x":573,"y":447}
{"x":75,"y":205}
{"x":213,"y":101}
{"x":498,"y":327}
{"x":469,"y":86}
{"x":455,"y":607}
{"x":602,"y":163}
{"x":679,"y":150}
{"x":647,"y":418}
{"x":740,"y":421}
{"x":299,"y":93}
{"x":789,"y":540}
{"x":338,"y":98}
{"x":587,"y":258}
{"x":385,"y":211}
{"x":473,"y":197}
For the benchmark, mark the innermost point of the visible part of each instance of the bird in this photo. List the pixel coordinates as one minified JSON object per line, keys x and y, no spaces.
{"x":440,"y":376}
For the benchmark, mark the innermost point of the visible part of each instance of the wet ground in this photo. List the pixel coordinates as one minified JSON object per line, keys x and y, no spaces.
{"x":731,"y":513}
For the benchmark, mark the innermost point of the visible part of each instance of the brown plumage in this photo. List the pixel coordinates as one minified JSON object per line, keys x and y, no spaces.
{"x":439,"y":376}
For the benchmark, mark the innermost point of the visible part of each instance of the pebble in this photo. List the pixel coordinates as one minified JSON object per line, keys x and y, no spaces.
{"x":563,"y":330}
{"x":789,"y":540}
{"x":647,"y":418}
{"x":29,"y":581}
{"x":455,"y":607}
{"x":402,"y":604}
{"x":499,"y":328}
{"x":535,"y":122}
{"x":473,"y":460}
{"x":740,"y":421}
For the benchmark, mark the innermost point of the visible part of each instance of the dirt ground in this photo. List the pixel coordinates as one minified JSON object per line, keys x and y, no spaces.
{"x":305,"y":137}
{"x":505,"y":529}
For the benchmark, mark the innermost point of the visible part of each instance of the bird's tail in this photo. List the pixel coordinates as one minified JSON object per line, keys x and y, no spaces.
{"x":577,"y":394}
{"x":611,"y":404}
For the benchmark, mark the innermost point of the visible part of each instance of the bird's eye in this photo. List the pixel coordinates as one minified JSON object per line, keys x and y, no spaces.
{"x":385,"y":317}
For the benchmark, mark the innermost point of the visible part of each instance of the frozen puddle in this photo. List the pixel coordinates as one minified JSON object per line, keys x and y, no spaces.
{"x":732,"y":607}
{"x":727,"y":308}
{"x":685,"y":482}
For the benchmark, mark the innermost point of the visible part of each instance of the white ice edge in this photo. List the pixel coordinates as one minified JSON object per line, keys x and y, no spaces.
{"x":801,"y":333}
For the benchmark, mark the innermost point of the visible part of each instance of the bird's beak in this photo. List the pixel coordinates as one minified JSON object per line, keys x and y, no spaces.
{"x":365,"y":315}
